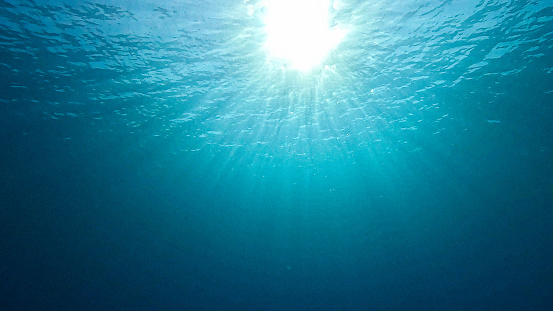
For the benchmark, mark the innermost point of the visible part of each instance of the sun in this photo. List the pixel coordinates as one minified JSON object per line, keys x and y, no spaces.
{"x":298,"y":32}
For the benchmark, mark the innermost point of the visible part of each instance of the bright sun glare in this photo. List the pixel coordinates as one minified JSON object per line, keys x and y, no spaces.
{"x":298,"y":32}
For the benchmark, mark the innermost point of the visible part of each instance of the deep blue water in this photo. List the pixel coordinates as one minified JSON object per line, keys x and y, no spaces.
{"x":153,"y":156}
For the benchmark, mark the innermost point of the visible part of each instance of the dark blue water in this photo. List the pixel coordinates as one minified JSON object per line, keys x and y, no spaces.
{"x":153,"y":156}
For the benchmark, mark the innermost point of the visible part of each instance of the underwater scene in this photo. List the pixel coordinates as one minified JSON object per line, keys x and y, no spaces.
{"x":276,"y":155}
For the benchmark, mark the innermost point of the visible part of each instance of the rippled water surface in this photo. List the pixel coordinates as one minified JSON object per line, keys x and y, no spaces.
{"x":155,"y":155}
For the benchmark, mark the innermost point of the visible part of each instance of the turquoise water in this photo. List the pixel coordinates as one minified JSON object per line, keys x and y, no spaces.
{"x":154,"y":155}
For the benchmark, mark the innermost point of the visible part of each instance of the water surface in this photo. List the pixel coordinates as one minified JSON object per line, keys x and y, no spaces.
{"x":153,"y":156}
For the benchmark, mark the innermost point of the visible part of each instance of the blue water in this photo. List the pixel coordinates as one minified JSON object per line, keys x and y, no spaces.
{"x":153,"y":156}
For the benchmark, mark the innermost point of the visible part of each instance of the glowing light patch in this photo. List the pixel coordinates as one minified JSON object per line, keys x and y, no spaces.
{"x":298,"y":31}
